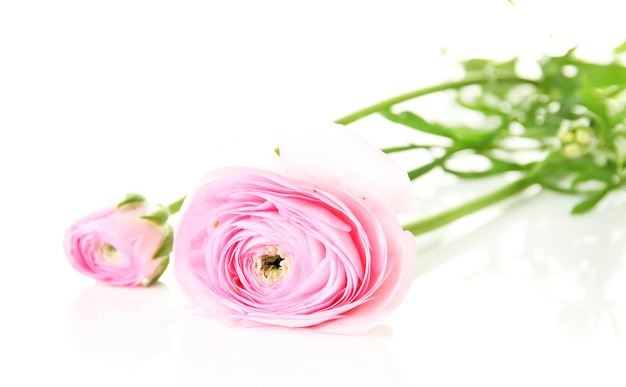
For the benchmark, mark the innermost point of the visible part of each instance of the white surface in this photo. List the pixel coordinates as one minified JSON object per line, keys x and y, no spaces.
{"x":97,"y":99}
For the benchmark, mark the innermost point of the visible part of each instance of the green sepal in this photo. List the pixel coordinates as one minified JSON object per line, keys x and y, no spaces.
{"x":167,"y":244}
{"x":130,"y":199}
{"x":174,"y":207}
{"x":158,"y":215}
{"x":157,"y":273}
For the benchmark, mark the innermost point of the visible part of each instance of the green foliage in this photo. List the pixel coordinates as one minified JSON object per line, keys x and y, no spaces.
{"x":620,"y":49}
{"x":573,"y":115}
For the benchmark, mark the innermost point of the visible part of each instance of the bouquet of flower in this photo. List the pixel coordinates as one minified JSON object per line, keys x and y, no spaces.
{"x":309,"y":235}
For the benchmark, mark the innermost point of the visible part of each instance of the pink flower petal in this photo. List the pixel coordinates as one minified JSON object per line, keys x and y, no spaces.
{"x":344,"y":262}
{"x":331,"y":153}
{"x":115,"y":246}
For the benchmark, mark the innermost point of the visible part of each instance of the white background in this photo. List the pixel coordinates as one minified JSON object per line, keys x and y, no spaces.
{"x":98,"y":98}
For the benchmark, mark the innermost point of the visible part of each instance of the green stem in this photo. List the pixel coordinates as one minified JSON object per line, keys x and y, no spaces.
{"x":175,"y":206}
{"x":428,"y":90}
{"x":438,"y":162}
{"x":435,"y":221}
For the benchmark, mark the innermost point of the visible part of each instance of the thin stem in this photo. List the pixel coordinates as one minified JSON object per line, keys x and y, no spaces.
{"x":175,"y":206}
{"x":428,"y":90}
{"x":435,"y":221}
{"x":403,"y":148}
{"x":437,"y":162}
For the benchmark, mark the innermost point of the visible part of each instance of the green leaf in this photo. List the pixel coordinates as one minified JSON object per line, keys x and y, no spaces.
{"x":506,"y":66}
{"x":587,"y":177}
{"x":476,"y":64}
{"x":483,"y":108}
{"x":589,"y":203}
{"x":620,"y":49}
{"x":603,"y":75}
{"x":167,"y":245}
{"x":571,"y":103}
{"x":414,"y":121}
{"x":462,"y":134}
{"x":618,"y":116}
{"x":158,"y":215}
{"x":619,"y":151}
{"x":130,"y":198}
{"x":595,"y":103}
{"x":489,"y":67}
{"x":555,"y":186}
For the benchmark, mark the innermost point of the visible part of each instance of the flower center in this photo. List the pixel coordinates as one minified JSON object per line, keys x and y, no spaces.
{"x":109,"y":254}
{"x":271,"y":267}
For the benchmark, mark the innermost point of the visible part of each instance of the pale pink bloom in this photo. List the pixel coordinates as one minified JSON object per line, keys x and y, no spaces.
{"x":315,"y":243}
{"x":116,"y":246}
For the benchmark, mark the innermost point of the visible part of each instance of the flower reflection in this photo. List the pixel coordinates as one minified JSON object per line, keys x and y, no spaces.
{"x":572,"y":261}
{"x":576,"y":259}
{"x":274,"y":356}
{"x":125,"y":326}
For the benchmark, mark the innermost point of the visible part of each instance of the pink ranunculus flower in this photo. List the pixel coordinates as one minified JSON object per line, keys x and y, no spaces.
{"x":314,"y":243}
{"x":118,"y":247}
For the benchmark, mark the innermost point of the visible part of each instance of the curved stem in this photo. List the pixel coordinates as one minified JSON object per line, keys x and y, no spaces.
{"x":174,"y":207}
{"x":435,"y":221}
{"x":428,"y":90}
{"x":403,"y":148}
